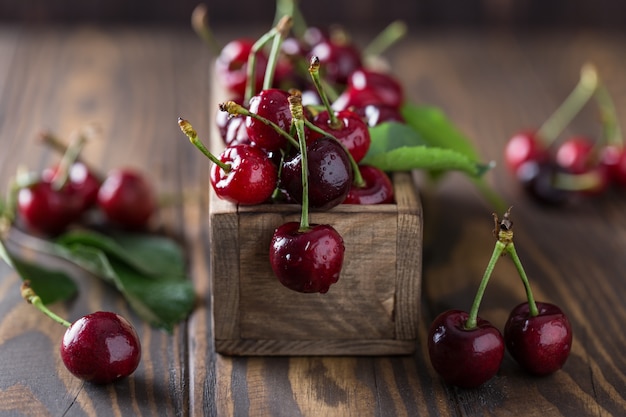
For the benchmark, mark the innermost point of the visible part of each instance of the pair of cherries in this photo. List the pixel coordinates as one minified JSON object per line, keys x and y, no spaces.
{"x":467,"y":351}
{"x":64,"y":193}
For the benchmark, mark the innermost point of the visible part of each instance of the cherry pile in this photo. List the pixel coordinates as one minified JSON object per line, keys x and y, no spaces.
{"x":101,"y":347}
{"x":467,"y":351}
{"x":557,"y":172}
{"x":48,"y":203}
{"x":295,"y":130}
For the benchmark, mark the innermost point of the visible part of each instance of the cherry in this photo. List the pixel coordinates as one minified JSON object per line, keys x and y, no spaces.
{"x":540,"y":343}
{"x":273,"y":105}
{"x":329,"y":174}
{"x":307,"y":260}
{"x":614,"y":159}
{"x":575,"y":154}
{"x":232,"y":66}
{"x":464,"y":357}
{"x":370,"y":87}
{"x":45,"y":210}
{"x":250,"y":176}
{"x":349,"y":128}
{"x":375,"y":114}
{"x":83,"y":182}
{"x":538,"y":180}
{"x":101,"y":347}
{"x":524,"y":146}
{"x":339,"y":57}
{"x":378,"y":188}
{"x":127,"y":199}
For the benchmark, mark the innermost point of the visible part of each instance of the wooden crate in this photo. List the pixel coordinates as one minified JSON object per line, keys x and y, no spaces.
{"x":372,"y":310}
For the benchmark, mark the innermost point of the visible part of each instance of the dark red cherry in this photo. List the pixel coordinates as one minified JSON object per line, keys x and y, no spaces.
{"x":540,"y":344}
{"x":523,"y":147}
{"x":338,"y":59}
{"x":575,"y":154}
{"x":614,"y":159}
{"x":351,"y":130}
{"x":375,"y":114}
{"x":127,"y":199}
{"x":464,"y":357}
{"x":101,"y":347}
{"x":231,"y":66}
{"x":273,"y":105}
{"x":371,"y":87}
{"x":84,"y":183}
{"x":307,"y":261}
{"x":539,"y":181}
{"x":250,"y":179}
{"x":378,"y":188}
{"x":44,"y":210}
{"x":330,"y":174}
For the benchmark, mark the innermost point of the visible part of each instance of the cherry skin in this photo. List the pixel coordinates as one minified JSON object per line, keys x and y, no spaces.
{"x":538,"y":180}
{"x":101,"y":348}
{"x":338,"y":59}
{"x":352,"y":131}
{"x":614,"y":159}
{"x":524,"y":147}
{"x":46,"y":211}
{"x":378,"y":188}
{"x":464,"y":357}
{"x":575,"y":154}
{"x":250,"y":179}
{"x":127,"y":199}
{"x":375,"y":114}
{"x":330,"y":174}
{"x":307,"y":261}
{"x":232,"y":66}
{"x":370,"y":87}
{"x":84,"y":183}
{"x":540,"y":344}
{"x":273,"y":105}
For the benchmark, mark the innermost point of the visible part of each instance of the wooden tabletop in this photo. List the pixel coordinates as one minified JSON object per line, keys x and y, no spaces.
{"x":136,"y":82}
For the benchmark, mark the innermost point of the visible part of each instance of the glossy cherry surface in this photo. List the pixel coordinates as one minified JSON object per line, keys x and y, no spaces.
{"x":330,"y":174}
{"x":101,"y":347}
{"x":338,"y":59}
{"x":127,"y":199}
{"x":538,"y":180}
{"x":575,"y":154}
{"x":378,"y":188}
{"x":462,"y":357}
{"x":271,"y":104}
{"x":523,"y":147}
{"x":614,"y":159}
{"x":370,"y":87}
{"x":232,"y":66}
{"x":83,"y":183}
{"x":352,"y":131}
{"x":540,"y":344}
{"x":250,"y":179}
{"x":307,"y":261}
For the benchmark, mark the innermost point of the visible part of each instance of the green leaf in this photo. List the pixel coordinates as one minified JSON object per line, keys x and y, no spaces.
{"x":391,"y":135}
{"x":437,"y":130}
{"x":425,"y":157}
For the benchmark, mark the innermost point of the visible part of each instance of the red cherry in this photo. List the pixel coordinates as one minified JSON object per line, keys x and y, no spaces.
{"x":370,"y":87}
{"x":101,"y":347}
{"x":540,"y":344}
{"x":352,"y":131}
{"x":126,"y":198}
{"x":614,"y":159}
{"x":378,"y":188}
{"x":232,"y":66}
{"x":575,"y":154}
{"x":273,"y":105}
{"x":524,"y":147}
{"x":47,"y":211}
{"x":464,"y":357}
{"x":375,"y":114}
{"x":250,"y":179}
{"x":307,"y":261}
{"x":84,"y":183}
{"x":338,"y":59}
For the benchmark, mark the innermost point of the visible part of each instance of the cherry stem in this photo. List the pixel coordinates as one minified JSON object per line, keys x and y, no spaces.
{"x":290,"y":8}
{"x":297,"y":114}
{"x":200,"y":25}
{"x":237,"y":109}
{"x":472,"y":319}
{"x":571,"y":106}
{"x":532,"y":305}
{"x":49,"y":139}
{"x":282,"y":30}
{"x":69,"y":158}
{"x":577,"y":182}
{"x":190,"y":132}
{"x":612,"y":132}
{"x":314,"y":70}
{"x":251,"y":68}
{"x":31,"y":297}
{"x":395,"y":31}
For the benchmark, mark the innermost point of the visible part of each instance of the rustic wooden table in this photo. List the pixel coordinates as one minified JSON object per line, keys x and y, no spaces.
{"x":136,"y":82}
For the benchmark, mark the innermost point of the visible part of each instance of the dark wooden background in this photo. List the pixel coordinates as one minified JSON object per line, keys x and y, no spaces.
{"x":364,"y":13}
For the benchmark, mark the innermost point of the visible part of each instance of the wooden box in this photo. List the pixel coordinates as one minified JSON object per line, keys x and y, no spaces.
{"x":372,"y":310}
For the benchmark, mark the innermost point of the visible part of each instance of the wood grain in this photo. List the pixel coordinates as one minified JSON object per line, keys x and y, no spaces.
{"x":137,"y":82}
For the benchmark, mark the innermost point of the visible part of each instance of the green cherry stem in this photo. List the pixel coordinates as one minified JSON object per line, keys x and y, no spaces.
{"x":282,"y":30}
{"x":532,"y":305}
{"x":57,"y":144}
{"x":612,"y":132}
{"x":69,"y":157}
{"x":251,"y":68}
{"x":472,"y":319}
{"x":200,"y":25}
{"x":30,"y":296}
{"x":297,"y":114}
{"x":391,"y":34}
{"x":190,"y":132}
{"x":314,"y":70}
{"x":571,"y":106}
{"x":237,"y":109}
